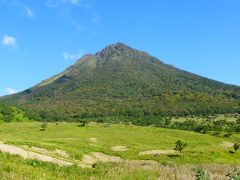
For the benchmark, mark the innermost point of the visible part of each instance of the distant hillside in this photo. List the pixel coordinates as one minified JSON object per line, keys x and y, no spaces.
{"x":121,"y":81}
{"x":10,"y":113}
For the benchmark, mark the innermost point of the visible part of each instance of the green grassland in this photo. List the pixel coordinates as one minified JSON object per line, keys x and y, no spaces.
{"x":202,"y":150}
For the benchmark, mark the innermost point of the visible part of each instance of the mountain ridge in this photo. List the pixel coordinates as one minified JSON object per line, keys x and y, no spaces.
{"x":122,"y":81}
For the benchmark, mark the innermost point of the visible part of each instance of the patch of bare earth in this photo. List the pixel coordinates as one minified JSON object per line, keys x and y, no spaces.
{"x":88,"y":159}
{"x":57,"y":152}
{"x":61,"y":153}
{"x":157,"y":152}
{"x":14,"y":150}
{"x":227,"y":144}
{"x":101,"y":157}
{"x":106,"y":158}
{"x":119,"y":148}
{"x":94,"y":140}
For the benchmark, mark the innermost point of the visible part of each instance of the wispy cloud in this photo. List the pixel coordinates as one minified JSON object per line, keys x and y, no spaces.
{"x":79,"y":27}
{"x":9,"y":41}
{"x":27,"y":10}
{"x":74,"y":2}
{"x":72,"y":56}
{"x":72,"y":9}
{"x":10,"y":91}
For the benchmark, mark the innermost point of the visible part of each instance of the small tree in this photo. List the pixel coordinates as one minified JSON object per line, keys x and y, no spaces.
{"x":43,"y":126}
{"x":202,"y":175}
{"x":180,"y":145}
{"x":236,"y":146}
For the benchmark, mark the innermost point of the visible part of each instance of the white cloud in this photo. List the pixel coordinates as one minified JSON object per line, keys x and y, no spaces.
{"x":28,"y":11}
{"x":67,"y":9}
{"x":9,"y":41}
{"x":73,"y":2}
{"x":10,"y":91}
{"x":78,"y":26}
{"x":72,"y":56}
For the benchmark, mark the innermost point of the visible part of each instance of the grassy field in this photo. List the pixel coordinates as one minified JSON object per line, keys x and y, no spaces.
{"x":202,"y":151}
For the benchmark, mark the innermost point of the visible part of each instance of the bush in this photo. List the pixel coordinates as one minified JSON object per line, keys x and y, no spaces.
{"x":233,"y":174}
{"x":236,"y":146}
{"x":202,"y":175}
{"x":227,"y":135}
{"x":180,"y":145}
{"x":44,"y":126}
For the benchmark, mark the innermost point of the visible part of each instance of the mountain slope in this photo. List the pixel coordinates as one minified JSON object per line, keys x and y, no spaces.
{"x":120,"y":80}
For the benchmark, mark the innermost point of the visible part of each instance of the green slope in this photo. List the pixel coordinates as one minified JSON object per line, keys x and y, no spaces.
{"x":203,"y":151}
{"x":121,"y":81}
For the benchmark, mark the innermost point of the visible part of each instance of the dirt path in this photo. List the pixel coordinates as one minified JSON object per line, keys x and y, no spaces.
{"x":61,"y":157}
{"x":14,"y":150}
{"x":56,"y":152}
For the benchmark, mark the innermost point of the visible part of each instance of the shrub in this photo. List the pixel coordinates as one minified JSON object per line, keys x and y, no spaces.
{"x":236,"y":146}
{"x":227,"y":135}
{"x":233,"y":174}
{"x":180,"y":145}
{"x":44,"y":126}
{"x":202,"y":175}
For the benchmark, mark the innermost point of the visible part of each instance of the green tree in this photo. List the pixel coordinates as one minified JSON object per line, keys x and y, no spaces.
{"x":180,"y":145}
{"x":44,"y":126}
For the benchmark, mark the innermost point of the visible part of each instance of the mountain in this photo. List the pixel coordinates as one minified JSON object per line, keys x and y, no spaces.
{"x":122,"y":81}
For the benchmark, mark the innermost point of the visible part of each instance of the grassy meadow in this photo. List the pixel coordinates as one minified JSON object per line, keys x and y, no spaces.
{"x":202,"y":150}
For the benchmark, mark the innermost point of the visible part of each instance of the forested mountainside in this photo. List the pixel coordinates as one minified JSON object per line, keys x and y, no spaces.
{"x":122,"y":81}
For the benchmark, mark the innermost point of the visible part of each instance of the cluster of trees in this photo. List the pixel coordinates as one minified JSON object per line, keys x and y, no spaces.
{"x":10,"y":113}
{"x":200,"y":124}
{"x":203,"y":124}
{"x":6,"y":113}
{"x":208,"y":125}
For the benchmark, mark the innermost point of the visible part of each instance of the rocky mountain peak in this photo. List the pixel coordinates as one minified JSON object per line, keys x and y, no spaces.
{"x":113,"y":48}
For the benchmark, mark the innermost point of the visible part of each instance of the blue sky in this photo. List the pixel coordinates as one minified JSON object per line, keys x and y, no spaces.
{"x":41,"y":38}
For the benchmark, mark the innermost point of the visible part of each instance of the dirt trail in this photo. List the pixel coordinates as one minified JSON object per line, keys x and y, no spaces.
{"x":61,"y":158}
{"x":14,"y":150}
{"x":57,"y":152}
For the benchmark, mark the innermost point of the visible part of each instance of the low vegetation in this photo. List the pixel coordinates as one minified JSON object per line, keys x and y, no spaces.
{"x":201,"y":174}
{"x":143,"y":148}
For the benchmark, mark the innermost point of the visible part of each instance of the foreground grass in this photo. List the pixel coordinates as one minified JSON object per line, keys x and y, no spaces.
{"x":202,"y":149}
